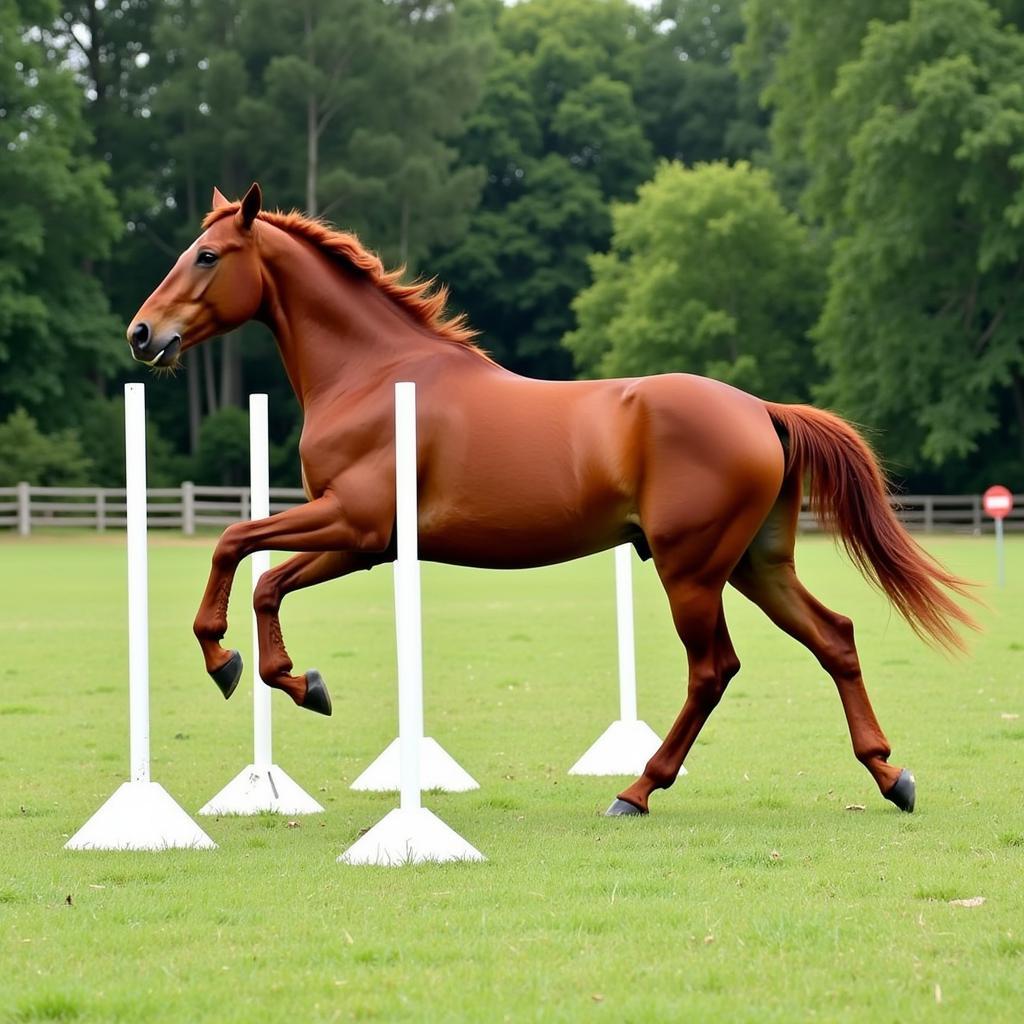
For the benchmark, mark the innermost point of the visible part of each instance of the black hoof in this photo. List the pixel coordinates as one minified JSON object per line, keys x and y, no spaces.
{"x":621,"y":808}
{"x":317,"y":698}
{"x":904,"y":792}
{"x":226,"y":677}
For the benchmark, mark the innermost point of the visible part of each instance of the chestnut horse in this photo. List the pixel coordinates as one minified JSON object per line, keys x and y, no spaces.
{"x":514,"y":472}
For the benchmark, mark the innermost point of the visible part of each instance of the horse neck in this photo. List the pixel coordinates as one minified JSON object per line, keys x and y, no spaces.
{"x":334,"y":328}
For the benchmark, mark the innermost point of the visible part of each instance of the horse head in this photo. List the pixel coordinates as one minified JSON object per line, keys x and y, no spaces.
{"x":215,"y":286}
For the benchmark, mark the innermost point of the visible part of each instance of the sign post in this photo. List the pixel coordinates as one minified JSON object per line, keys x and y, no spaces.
{"x":998,"y":503}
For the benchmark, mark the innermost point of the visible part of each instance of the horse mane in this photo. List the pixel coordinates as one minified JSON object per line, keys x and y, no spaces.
{"x":425,"y":301}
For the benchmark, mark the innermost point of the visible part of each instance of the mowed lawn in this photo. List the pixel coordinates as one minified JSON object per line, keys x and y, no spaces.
{"x":755,"y":891}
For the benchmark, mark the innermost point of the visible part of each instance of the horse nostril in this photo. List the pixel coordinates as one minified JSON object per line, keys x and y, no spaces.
{"x":140,"y":336}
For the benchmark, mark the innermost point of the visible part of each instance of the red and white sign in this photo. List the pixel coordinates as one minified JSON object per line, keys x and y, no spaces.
{"x":997,"y":502}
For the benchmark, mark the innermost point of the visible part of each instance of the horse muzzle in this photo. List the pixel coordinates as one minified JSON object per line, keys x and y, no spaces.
{"x":151,"y":348}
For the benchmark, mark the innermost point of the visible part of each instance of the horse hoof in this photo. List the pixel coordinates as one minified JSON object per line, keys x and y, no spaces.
{"x":621,"y":808}
{"x":317,"y":698}
{"x":904,"y":792}
{"x":226,"y":677}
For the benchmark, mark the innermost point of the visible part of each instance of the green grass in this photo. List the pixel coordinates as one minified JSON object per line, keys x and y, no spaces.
{"x":750,"y":894}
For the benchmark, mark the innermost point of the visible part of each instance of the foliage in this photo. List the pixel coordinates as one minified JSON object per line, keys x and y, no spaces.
{"x":707,"y":273}
{"x":559,"y":133}
{"x":912,"y":127}
{"x":693,"y":104}
{"x":57,"y":217}
{"x":46,"y":460}
{"x":223,"y":456}
{"x":795,"y":49}
{"x":487,"y":143}
{"x":101,"y":433}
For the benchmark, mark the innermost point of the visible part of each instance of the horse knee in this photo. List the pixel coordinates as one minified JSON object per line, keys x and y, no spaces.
{"x":228,"y":551}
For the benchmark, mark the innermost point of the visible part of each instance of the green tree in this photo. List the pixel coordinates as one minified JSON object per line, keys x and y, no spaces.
{"x":693,"y":104}
{"x":923,"y":328}
{"x":707,"y":273}
{"x":223,"y":456}
{"x":359,"y":101}
{"x":46,"y":460}
{"x":57,"y":217}
{"x":794,"y":49}
{"x":558,"y":131}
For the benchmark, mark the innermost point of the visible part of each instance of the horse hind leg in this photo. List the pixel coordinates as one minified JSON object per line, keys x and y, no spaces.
{"x":712,"y":663}
{"x":766,"y":575}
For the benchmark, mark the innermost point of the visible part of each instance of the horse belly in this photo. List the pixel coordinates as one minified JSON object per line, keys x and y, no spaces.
{"x":517,"y":547}
{"x":513,"y":528}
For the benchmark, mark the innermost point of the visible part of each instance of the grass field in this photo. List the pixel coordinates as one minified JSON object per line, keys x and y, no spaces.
{"x":751,"y":893}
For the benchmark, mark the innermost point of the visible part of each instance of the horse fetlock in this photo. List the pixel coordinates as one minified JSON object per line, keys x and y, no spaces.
{"x":276,"y":666}
{"x":874,"y":755}
{"x":209,"y":628}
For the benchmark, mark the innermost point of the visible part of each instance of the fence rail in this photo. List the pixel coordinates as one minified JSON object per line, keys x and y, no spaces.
{"x":183,"y":508}
{"x":190,"y":506}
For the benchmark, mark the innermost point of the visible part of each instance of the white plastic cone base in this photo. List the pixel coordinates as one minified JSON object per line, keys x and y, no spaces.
{"x":409,"y":836}
{"x":255,"y":790}
{"x":624,"y":748}
{"x":438,"y":770}
{"x":140,"y":816}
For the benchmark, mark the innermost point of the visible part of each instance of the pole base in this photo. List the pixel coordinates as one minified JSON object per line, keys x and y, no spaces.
{"x":410,"y":836}
{"x":140,"y":816}
{"x":624,"y":748}
{"x":438,"y":770}
{"x":254,"y":790}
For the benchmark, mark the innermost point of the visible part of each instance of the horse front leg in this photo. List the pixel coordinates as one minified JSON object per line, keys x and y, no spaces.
{"x":300,"y":571}
{"x":319,"y":525}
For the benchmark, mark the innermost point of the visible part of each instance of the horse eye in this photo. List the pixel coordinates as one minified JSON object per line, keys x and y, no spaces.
{"x":206,"y":258}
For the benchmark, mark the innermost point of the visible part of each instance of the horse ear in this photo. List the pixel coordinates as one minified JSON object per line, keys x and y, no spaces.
{"x":251,"y":205}
{"x":219,"y":199}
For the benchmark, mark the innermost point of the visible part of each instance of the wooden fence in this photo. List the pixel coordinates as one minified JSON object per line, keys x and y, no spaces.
{"x":190,"y":506}
{"x":184,"y":508}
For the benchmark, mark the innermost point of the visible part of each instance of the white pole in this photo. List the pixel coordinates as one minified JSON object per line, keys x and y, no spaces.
{"x":1000,"y":557}
{"x":410,"y":832}
{"x":141,"y":814}
{"x":259,"y":508}
{"x":624,"y":616}
{"x":407,"y":599}
{"x":138,"y":580}
{"x":627,"y":744}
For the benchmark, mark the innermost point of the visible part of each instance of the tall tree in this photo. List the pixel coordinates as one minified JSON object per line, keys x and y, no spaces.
{"x":57,"y":217}
{"x":794,"y":49}
{"x":707,"y":273}
{"x":694,"y":105}
{"x":558,"y":130}
{"x":924,"y":324}
{"x":360,"y":99}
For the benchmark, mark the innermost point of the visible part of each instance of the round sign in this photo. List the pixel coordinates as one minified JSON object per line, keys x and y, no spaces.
{"x":997,"y":501}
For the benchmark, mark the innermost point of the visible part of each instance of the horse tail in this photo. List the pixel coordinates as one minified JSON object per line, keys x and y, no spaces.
{"x":848,"y":494}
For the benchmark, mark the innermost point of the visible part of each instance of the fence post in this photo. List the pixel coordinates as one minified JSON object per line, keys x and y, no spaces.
{"x":101,"y":510}
{"x":188,"y":508}
{"x":245,"y":505}
{"x":929,"y":513}
{"x":24,"y":509}
{"x":977,"y":515}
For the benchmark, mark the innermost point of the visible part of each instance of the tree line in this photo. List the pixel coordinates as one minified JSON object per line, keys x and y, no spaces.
{"x":814,"y":202}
